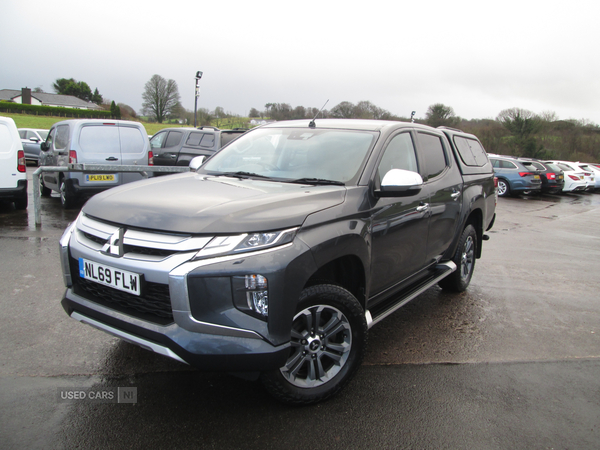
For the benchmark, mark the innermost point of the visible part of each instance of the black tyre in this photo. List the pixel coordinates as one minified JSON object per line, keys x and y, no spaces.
{"x":21,"y":203}
{"x":44,"y":191}
{"x":66,"y":198}
{"x":464,"y":258}
{"x":503,"y":188}
{"x":328,"y":342}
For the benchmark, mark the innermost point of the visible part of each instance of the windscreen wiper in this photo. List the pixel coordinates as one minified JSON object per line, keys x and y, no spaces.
{"x":241,"y":174}
{"x":316,"y":181}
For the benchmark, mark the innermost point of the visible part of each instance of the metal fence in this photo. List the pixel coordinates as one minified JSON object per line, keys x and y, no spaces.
{"x":93,"y":168}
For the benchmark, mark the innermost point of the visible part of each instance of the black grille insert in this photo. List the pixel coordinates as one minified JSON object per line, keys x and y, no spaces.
{"x":154,"y":305}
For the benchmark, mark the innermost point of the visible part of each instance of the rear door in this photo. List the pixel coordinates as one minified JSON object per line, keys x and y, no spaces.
{"x":165,"y":146}
{"x":134,"y":150}
{"x":98,"y":143}
{"x":444,"y":184}
{"x":10,"y":143}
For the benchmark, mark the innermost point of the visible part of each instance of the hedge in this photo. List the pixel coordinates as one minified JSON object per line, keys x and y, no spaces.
{"x":53,"y":111}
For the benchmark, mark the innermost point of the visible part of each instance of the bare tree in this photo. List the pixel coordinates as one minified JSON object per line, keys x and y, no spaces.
{"x":160,"y":97}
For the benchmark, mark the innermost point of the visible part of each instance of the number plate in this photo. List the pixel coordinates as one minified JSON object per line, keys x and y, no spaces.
{"x":536,"y":177}
{"x":100,"y":177}
{"x":122,"y":280}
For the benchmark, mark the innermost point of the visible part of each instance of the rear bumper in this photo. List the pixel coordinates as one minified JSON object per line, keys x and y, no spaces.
{"x":17,"y":193}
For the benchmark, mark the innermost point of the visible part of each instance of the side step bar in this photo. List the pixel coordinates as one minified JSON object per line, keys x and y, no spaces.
{"x":439,"y":272}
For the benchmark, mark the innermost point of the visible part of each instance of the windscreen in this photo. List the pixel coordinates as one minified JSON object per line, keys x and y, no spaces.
{"x":293,"y":154}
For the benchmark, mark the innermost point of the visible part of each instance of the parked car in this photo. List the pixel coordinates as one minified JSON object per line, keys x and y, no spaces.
{"x":13,"y":172}
{"x":92,"y":141}
{"x":514,"y":176}
{"x":552,"y":176}
{"x":177,"y":146}
{"x":283,"y":249}
{"x":573,"y":171}
{"x":595,"y":170}
{"x":31,"y":139}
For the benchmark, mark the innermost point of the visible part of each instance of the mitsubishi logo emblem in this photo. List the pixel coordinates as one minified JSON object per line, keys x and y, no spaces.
{"x":114,"y":246}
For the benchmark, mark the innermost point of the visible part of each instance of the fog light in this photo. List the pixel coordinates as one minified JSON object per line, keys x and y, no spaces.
{"x":259,"y":302}
{"x":257,"y":295}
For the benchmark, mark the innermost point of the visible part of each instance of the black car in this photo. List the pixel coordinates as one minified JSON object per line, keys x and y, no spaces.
{"x":177,"y":146}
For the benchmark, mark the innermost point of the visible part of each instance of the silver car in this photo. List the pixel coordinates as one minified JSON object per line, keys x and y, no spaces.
{"x":91,"y":141}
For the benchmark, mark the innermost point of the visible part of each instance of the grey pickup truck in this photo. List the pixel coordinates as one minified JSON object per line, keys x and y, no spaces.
{"x":276,"y":255}
{"x":178,"y":146}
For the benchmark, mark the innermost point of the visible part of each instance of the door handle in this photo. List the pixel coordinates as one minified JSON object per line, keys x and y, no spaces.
{"x":455,"y":195}
{"x":112,"y":158}
{"x":422,"y":207}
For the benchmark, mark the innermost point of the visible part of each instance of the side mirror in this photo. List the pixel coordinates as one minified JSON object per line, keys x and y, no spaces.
{"x":400,"y":183}
{"x":196,"y":162}
{"x":44,"y":146}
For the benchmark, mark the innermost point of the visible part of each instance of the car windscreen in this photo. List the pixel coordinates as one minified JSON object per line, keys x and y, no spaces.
{"x":289,"y":154}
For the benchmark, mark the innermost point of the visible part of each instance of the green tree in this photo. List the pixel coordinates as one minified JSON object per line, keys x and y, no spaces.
{"x":115,"y":111}
{"x":79,"y":89}
{"x":253,"y":113}
{"x":160,"y":97}
{"x":523,"y":126}
{"x":439,"y":114}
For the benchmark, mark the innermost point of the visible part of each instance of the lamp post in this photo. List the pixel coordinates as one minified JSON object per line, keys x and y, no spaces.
{"x":198,"y":76}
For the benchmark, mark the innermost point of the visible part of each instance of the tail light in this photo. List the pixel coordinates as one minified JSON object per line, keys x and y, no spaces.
{"x":150,"y":158}
{"x":524,"y":174}
{"x":573,"y":177}
{"x":496,"y":182}
{"x":587,"y":174}
{"x":551,"y":176}
{"x":21,"y":165}
{"x":72,"y":157}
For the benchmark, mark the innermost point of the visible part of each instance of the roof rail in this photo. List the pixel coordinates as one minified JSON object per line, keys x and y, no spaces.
{"x":442,"y":127}
{"x":205,"y":126}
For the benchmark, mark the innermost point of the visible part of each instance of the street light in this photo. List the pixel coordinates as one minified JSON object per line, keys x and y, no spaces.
{"x":198,"y":76}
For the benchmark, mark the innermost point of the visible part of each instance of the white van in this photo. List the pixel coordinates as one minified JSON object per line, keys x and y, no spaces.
{"x":92,"y":141}
{"x":13,"y":172}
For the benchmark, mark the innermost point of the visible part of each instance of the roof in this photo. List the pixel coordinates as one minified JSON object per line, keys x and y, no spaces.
{"x":50,"y":99}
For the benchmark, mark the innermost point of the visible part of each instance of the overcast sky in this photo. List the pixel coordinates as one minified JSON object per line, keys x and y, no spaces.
{"x":477,"y":57}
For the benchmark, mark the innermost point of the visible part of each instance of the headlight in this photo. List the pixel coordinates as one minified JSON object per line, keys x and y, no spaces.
{"x":228,"y":245}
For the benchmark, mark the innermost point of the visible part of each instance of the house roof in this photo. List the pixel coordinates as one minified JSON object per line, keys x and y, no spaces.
{"x":50,"y":99}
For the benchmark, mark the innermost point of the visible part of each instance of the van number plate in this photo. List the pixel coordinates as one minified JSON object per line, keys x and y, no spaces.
{"x":100,"y":177}
{"x":120,"y":279}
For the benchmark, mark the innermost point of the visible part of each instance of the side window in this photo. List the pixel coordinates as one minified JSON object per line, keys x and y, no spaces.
{"x":173,"y":139}
{"x":507,"y":164}
{"x":471,"y":151}
{"x":61,"y":139}
{"x":132,"y":140}
{"x":208,"y":141}
{"x":434,"y":155}
{"x":194,"y":139}
{"x":23,"y":134}
{"x":495,"y":162}
{"x":399,"y":154}
{"x":158,"y":139}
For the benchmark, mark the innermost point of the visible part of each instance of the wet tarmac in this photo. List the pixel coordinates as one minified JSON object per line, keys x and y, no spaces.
{"x":514,"y":362}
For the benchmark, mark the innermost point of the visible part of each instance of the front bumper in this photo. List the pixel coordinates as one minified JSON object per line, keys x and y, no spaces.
{"x":203,"y":325}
